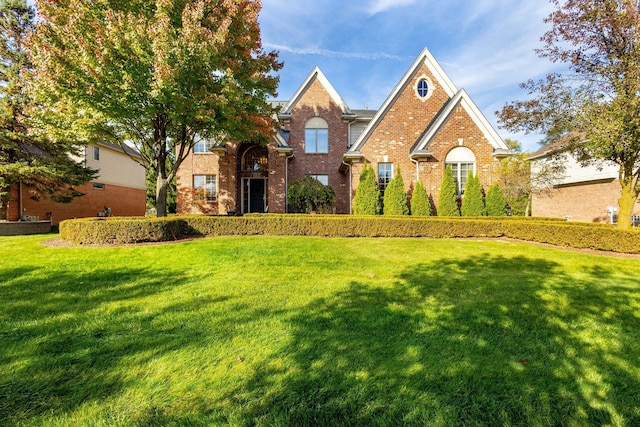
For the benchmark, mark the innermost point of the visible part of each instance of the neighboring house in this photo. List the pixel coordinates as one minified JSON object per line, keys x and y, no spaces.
{"x":584,"y":193}
{"x":120,"y":187}
{"x":424,"y":124}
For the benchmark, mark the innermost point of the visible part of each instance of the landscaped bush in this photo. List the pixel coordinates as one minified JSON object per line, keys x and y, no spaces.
{"x":473,"y":200}
{"x":547,"y":230}
{"x":395,"y":198}
{"x":448,"y":196}
{"x":420,"y":205}
{"x":367,"y":198}
{"x":495,"y":203}
{"x":307,"y":194}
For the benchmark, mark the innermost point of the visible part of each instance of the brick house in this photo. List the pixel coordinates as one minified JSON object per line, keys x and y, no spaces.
{"x":424,"y":124}
{"x":120,"y":186}
{"x":584,"y":193}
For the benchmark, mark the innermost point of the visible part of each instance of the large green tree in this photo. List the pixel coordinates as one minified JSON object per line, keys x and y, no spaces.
{"x":43,"y":165}
{"x":598,"y":100}
{"x":158,"y":74}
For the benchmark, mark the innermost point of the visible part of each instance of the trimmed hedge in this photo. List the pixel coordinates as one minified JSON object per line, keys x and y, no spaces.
{"x":542,"y":230}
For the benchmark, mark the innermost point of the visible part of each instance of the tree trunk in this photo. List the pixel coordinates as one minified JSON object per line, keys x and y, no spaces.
{"x":626,"y":202}
{"x":161,"y":195}
{"x":160,"y":124}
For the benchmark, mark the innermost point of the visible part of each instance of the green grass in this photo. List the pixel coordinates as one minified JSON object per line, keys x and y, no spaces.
{"x":310,"y":331}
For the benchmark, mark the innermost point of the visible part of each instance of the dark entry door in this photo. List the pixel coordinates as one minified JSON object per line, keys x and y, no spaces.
{"x":256,"y":195}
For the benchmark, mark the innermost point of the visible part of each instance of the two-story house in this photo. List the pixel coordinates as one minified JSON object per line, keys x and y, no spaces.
{"x":119,"y":188}
{"x":587,"y":193}
{"x":424,"y":124}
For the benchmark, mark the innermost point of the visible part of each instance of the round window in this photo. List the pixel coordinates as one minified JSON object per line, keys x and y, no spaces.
{"x":423,"y":88}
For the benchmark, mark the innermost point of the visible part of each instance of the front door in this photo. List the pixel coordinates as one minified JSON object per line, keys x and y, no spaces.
{"x":254,"y":195}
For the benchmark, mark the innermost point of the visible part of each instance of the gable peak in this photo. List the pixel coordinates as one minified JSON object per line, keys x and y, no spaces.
{"x":316,"y":75}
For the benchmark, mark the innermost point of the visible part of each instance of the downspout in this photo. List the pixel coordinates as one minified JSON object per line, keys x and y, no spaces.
{"x":417,"y":162}
{"x":350,"y":187}
{"x":20,"y":200}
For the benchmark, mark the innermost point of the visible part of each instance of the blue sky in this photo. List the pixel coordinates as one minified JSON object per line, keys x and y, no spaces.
{"x":364,"y":47}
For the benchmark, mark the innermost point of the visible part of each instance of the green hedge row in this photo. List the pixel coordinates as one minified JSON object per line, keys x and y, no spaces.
{"x":557,"y":232}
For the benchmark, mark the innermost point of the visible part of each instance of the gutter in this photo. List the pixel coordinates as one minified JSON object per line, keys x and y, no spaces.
{"x":418,"y":155}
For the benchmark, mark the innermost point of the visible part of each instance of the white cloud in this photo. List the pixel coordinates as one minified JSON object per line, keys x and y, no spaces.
{"x":384,"y":5}
{"x":374,"y":56}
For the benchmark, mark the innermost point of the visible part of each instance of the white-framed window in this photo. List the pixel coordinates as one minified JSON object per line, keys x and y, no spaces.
{"x":206,"y":186}
{"x":203,"y":146}
{"x":96,"y":152}
{"x":424,"y":87}
{"x":385,"y":175}
{"x":462,"y":161}
{"x":324,"y":179}
{"x":316,"y":136}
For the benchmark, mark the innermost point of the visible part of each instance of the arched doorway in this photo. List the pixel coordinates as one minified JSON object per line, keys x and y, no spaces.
{"x":254,"y":173}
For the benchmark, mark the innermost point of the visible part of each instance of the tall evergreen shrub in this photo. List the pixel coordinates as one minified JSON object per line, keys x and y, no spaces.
{"x":420,"y":205}
{"x":495,"y":201}
{"x":367,"y":198}
{"x":448,"y":196}
{"x":395,"y":198}
{"x":473,"y":200}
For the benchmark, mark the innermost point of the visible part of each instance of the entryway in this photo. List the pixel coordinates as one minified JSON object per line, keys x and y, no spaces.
{"x":254,"y":195}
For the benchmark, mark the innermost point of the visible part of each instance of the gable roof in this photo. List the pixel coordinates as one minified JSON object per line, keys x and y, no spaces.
{"x":425,"y":58}
{"x":316,"y":74}
{"x":131,"y":151}
{"x":558,"y":145}
{"x":460,"y":98}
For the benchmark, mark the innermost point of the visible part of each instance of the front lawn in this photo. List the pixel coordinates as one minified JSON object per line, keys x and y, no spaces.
{"x":317,"y":331}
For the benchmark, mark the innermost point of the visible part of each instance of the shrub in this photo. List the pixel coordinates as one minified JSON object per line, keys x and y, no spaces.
{"x":448,"y":197}
{"x":544,"y":230}
{"x":473,"y":200}
{"x":395,"y":199}
{"x":367,"y":198}
{"x":420,"y":205}
{"x":495,"y":203}
{"x":307,"y":194}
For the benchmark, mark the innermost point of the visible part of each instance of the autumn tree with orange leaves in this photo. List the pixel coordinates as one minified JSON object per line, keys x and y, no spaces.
{"x":158,"y":74}
{"x":595,"y":106}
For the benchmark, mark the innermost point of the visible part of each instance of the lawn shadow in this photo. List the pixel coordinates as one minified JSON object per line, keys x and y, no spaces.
{"x":484,"y":340}
{"x":64,"y":333}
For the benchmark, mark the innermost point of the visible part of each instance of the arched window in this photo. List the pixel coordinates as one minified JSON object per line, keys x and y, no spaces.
{"x":461,"y":160}
{"x":316,"y":136}
{"x":255,"y":159}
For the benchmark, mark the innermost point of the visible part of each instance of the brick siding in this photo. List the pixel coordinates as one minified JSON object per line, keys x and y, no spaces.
{"x":586,"y":202}
{"x":123,"y":201}
{"x":404,"y":124}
